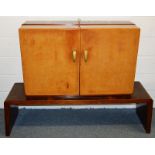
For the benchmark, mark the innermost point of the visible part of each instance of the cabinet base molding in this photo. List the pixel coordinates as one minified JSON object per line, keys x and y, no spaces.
{"x":17,"y":98}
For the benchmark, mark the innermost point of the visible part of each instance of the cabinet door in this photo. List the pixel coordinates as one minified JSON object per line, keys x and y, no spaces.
{"x":47,"y":59}
{"x":111,"y":61}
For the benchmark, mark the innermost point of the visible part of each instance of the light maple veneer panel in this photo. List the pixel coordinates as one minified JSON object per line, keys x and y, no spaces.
{"x":112,"y":55}
{"x":48,"y":68}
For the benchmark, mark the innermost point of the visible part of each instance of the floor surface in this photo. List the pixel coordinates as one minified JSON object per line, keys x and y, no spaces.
{"x":76,"y":123}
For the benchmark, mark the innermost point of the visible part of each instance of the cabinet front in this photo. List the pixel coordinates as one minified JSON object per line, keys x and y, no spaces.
{"x":50,"y":60}
{"x":108,"y":59}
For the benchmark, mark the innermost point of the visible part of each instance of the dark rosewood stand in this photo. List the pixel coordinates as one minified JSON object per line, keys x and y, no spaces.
{"x":17,"y":98}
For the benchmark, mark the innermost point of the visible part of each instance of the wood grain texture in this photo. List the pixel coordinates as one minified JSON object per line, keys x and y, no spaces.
{"x":56,"y":22}
{"x":112,"y":55}
{"x":47,"y":62}
{"x":78,"y":22}
{"x":105,"y":22}
{"x":47,"y":57}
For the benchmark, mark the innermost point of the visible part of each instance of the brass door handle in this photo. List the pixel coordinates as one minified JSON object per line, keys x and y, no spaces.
{"x":85,"y":55}
{"x":74,"y":55}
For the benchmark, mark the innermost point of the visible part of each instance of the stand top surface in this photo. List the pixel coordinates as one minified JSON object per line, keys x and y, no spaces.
{"x":17,"y":96}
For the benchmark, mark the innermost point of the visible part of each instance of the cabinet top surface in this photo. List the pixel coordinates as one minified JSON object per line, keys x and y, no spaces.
{"x":50,"y":23}
{"x":75,"y":27}
{"x":78,"y":23}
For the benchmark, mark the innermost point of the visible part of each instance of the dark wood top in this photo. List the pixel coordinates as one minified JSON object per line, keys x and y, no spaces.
{"x":51,"y":23}
{"x":78,"y":23}
{"x":17,"y":97}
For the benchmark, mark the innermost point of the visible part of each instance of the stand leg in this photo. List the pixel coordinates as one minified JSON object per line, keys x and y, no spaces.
{"x":144,"y":112}
{"x":11,"y":114}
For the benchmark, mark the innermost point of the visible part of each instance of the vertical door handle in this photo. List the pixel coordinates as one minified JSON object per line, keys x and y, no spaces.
{"x":85,"y":55}
{"x":74,"y":55}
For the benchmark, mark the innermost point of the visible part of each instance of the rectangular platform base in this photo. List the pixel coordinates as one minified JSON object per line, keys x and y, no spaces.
{"x":17,"y":98}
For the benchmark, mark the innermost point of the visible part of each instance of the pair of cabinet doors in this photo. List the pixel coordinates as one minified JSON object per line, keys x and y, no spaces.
{"x":78,"y":59}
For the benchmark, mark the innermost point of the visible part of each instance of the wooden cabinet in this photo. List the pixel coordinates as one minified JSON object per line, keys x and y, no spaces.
{"x":78,"y":58}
